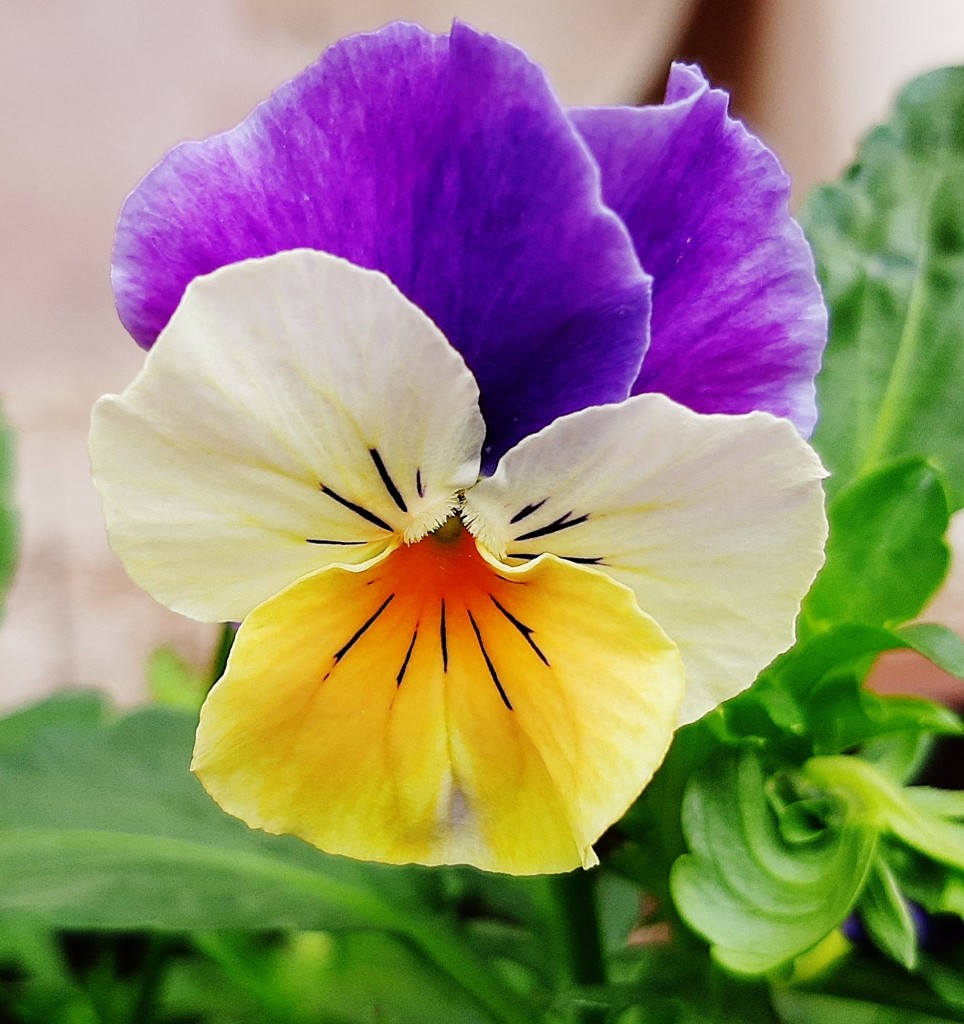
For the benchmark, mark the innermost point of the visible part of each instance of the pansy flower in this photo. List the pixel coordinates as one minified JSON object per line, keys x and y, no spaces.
{"x":498,"y":510}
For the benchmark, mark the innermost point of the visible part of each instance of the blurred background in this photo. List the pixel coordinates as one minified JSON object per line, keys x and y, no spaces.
{"x":97,"y":90}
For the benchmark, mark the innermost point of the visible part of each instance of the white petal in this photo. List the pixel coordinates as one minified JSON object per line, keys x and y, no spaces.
{"x":283,"y":392}
{"x":715,"y":522}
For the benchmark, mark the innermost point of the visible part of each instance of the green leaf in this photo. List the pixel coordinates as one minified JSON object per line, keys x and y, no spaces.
{"x":83,"y":710}
{"x":679,"y":984}
{"x":652,"y":824}
{"x":103,"y":826}
{"x":810,"y":700}
{"x":901,"y":756}
{"x":938,"y":888}
{"x":937,"y":643}
{"x":782,"y":690}
{"x":507,"y":918}
{"x":865,"y":987}
{"x":886,"y":553}
{"x":841,"y":714}
{"x":369,"y":974}
{"x":889,"y":243}
{"x":35,"y":982}
{"x":946,"y":981}
{"x":351,"y":978}
{"x":952,"y":897}
{"x":887,"y":918}
{"x":758,"y":899}
{"x":942,"y":803}
{"x":9,"y":520}
{"x":886,"y":807}
{"x":823,"y":1008}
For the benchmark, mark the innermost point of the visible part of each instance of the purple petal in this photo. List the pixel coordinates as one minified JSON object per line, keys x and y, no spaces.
{"x":448,"y":164}
{"x":738,"y":320}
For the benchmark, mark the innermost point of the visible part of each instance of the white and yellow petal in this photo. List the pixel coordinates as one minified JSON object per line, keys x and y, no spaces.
{"x":437,"y":707}
{"x":296,"y":412}
{"x":716,"y":523}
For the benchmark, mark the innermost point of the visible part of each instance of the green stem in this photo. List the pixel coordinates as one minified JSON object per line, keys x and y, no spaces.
{"x":578,"y":930}
{"x":220,"y":660}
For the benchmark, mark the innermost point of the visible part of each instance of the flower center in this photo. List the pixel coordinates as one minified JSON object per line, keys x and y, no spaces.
{"x":439,"y":599}
{"x":445,"y":567}
{"x":451,"y":531}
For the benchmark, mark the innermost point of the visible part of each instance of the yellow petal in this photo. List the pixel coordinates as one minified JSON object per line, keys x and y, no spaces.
{"x":439,"y":708}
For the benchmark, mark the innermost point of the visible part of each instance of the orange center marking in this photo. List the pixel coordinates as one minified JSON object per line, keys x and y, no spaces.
{"x":445,"y":564}
{"x":441,"y":594}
